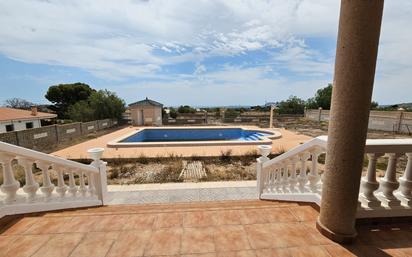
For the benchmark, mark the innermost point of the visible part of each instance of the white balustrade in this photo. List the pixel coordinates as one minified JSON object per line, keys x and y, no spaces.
{"x":303,"y":178}
{"x":369,"y":184}
{"x":61,"y":186}
{"x":386,"y":197}
{"x":72,"y":184}
{"x":10,"y":185}
{"x":52,"y":197}
{"x":389,"y":184}
{"x":31,"y":186}
{"x":314,"y":176}
{"x":406,"y":183}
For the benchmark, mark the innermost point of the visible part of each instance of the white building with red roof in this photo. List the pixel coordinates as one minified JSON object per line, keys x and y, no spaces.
{"x":16,"y":119}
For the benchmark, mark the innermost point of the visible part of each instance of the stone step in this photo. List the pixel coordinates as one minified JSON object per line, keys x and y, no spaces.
{"x":176,"y":207}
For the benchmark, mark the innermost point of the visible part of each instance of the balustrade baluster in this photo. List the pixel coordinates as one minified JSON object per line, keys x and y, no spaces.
{"x":90,"y":184}
{"x":72,"y":184}
{"x":303,"y":179}
{"x":292,"y":179}
{"x":314,"y":176}
{"x":388,"y":183}
{"x":406,"y":183}
{"x":270,"y":181}
{"x":82,"y":187}
{"x":10,"y":184}
{"x":285,"y":175}
{"x":61,"y":186}
{"x":31,"y":186}
{"x":369,"y":184}
{"x":47,"y":187}
{"x":278,"y":174}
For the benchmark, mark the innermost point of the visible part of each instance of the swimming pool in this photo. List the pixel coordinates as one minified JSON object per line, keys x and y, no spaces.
{"x":194,"y":136}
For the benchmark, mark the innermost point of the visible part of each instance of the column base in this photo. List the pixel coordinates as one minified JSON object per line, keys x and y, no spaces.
{"x":339,"y":238}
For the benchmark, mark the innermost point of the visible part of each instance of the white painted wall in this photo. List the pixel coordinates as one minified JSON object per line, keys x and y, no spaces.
{"x":19,"y":125}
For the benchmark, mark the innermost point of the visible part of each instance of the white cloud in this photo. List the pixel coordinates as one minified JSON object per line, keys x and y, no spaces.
{"x":124,"y":39}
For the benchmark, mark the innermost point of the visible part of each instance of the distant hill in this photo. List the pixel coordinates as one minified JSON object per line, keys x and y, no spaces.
{"x":400,"y":105}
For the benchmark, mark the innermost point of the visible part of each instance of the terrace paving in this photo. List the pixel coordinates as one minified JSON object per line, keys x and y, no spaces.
{"x":288,"y":140}
{"x":228,"y":228}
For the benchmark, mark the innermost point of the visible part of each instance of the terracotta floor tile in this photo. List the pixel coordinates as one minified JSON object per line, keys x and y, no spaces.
{"x":228,"y":217}
{"x":274,"y":215}
{"x":109,"y":223}
{"x":6,"y":243}
{"x":199,"y":219}
{"x":139,"y":221}
{"x":20,"y":226}
{"x":338,"y":250}
{"x":165,"y":242}
{"x":231,"y":238}
{"x":248,"y":253}
{"x":59,"y":245}
{"x":197,"y":240}
{"x":130,"y":243}
{"x":309,"y":251}
{"x":311,"y":229}
{"x":168,"y":220}
{"x":253,"y":216}
{"x":26,"y":245}
{"x":262,"y":236}
{"x":199,"y":255}
{"x":305,"y":213}
{"x":79,"y":224}
{"x":48,"y":225}
{"x":95,"y":244}
{"x":279,"y":252}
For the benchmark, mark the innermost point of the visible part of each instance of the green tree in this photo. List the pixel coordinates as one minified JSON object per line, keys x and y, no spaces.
{"x":64,"y":95}
{"x":293,"y":105}
{"x":322,"y":99}
{"x":106,"y":105}
{"x":185,"y":109}
{"x":374,"y":105}
{"x":172,"y":113}
{"x":81,"y":111}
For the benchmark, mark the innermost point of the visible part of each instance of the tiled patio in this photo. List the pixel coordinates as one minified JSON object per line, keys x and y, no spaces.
{"x":230,"y":228}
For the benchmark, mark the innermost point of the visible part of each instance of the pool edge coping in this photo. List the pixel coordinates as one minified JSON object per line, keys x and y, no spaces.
{"x":267,"y":141}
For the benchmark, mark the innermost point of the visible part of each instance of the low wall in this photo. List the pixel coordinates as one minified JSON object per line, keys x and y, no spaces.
{"x":48,"y":137}
{"x":394,"y":121}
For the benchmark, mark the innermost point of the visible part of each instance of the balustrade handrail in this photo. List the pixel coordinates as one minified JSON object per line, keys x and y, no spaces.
{"x":315,"y":142}
{"x":39,"y":156}
{"x":371,"y":146}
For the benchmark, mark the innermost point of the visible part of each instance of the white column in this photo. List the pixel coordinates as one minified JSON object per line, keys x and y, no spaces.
{"x":271,"y":116}
{"x":369,"y":184}
{"x":10,"y":184}
{"x":406,"y":183}
{"x":31,"y":186}
{"x":303,"y":179}
{"x":47,"y":187}
{"x":388,"y":184}
{"x":61,"y":186}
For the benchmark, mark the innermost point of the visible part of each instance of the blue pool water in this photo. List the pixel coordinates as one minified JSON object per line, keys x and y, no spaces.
{"x":200,"y":134}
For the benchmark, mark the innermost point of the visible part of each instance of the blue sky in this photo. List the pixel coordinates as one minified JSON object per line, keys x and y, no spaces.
{"x":200,"y":53}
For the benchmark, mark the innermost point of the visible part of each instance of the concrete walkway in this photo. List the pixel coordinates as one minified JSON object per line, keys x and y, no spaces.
{"x":181,"y":192}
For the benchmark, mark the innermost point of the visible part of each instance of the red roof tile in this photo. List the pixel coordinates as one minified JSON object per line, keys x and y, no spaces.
{"x":17,"y":114}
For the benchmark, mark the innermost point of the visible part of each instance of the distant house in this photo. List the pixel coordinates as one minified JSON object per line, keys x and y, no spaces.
{"x":15,"y":119}
{"x":146,"y":112}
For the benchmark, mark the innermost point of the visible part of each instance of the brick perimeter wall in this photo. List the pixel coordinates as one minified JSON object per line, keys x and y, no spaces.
{"x":394,"y":121}
{"x":48,"y":137}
